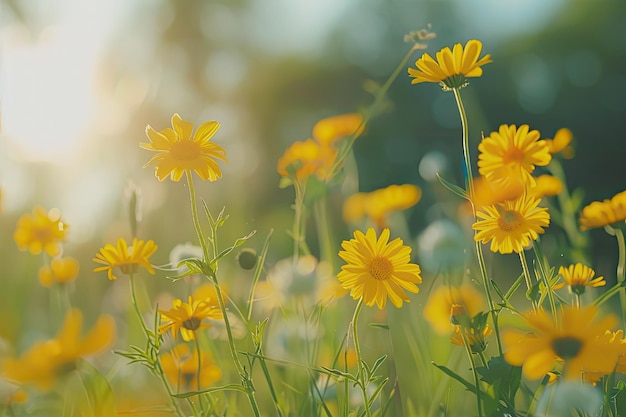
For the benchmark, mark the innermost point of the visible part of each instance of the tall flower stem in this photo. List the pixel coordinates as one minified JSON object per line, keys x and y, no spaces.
{"x":324,"y":231}
{"x":546,"y":281}
{"x":298,"y":230}
{"x":469,"y":186}
{"x":357,"y":349}
{"x":470,"y":357}
{"x":621,"y":269}
{"x":527,"y":278}
{"x":245,"y":378}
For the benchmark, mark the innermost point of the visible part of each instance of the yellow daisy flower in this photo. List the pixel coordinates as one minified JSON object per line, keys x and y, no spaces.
{"x":331,"y":129}
{"x":577,"y":277}
{"x":546,"y":186}
{"x":445,"y":299}
{"x":512,"y":150}
{"x":45,"y":361}
{"x":604,"y":213}
{"x":452,"y":67}
{"x":124,"y":257}
{"x":378,"y":204}
{"x":487,"y":193}
{"x":307,"y":158}
{"x":377,"y":269}
{"x":41,"y":231}
{"x":60,"y":271}
{"x":179,"y":151}
{"x":576,"y":341}
{"x":512,"y":225}
{"x":188,"y":317}
{"x":181,"y":369}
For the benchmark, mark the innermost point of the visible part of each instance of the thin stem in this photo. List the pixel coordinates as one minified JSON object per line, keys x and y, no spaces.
{"x":357,"y":349}
{"x":298,"y":221}
{"x":324,"y":232}
{"x":468,"y":350}
{"x":529,"y":282}
{"x":198,"y":373}
{"x":133,"y":298}
{"x":469,"y":186}
{"x":546,"y":281}
{"x":621,"y":269}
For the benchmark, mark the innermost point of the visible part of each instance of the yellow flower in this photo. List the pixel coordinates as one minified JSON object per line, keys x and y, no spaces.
{"x":512,"y":150}
{"x":188,"y":317}
{"x":178,"y":151}
{"x":546,"y":186}
{"x":329,"y":130}
{"x":181,"y":369}
{"x":512,"y":225}
{"x":377,"y":269}
{"x":576,"y":341}
{"x":48,"y":360}
{"x":41,"y":230}
{"x":561,"y":143}
{"x":488,"y":192}
{"x":577,"y":277}
{"x":307,"y":158}
{"x":60,"y":271}
{"x":378,"y":204}
{"x":475,"y":333}
{"x":124,"y":257}
{"x":452,"y":67}
{"x":604,"y":213}
{"x":443,"y":300}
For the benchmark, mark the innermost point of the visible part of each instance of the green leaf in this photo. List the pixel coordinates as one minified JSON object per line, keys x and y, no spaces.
{"x":338,"y":373}
{"x":285,"y":182}
{"x":89,"y":394}
{"x":378,"y":362}
{"x":380,"y":325}
{"x":228,"y":250}
{"x":229,"y":387}
{"x":452,"y":187}
{"x":470,"y":387}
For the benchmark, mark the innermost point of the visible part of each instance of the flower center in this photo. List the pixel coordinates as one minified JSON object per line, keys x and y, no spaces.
{"x":381,"y":268}
{"x":513,"y":154}
{"x":510,"y":220}
{"x":192,"y":323}
{"x":43,"y":234}
{"x":185,"y":150}
{"x":567,"y":347}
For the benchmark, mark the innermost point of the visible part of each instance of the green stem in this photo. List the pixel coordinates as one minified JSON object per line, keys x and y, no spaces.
{"x":468,"y":350}
{"x":324,"y":232}
{"x":621,"y":269}
{"x":546,"y":281}
{"x":133,"y":298}
{"x":529,"y":282}
{"x":357,"y":349}
{"x":298,"y":221}
{"x":469,"y":186}
{"x":199,"y":371}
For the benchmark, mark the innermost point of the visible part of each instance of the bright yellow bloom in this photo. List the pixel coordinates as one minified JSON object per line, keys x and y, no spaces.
{"x":576,"y":341}
{"x":512,"y":225}
{"x":443,"y":300}
{"x":452,"y":67}
{"x":512,"y":150}
{"x":377,"y":269}
{"x":181,"y":369}
{"x":546,"y":186}
{"x":60,"y":271}
{"x":487,"y":193}
{"x":561,"y":142}
{"x":378,"y":204}
{"x":179,"y":151}
{"x":579,"y":276}
{"x":46,"y":361}
{"x":41,"y":230}
{"x":307,"y":158}
{"x":604,"y":213}
{"x":188,"y":317}
{"x":331,"y":129}
{"x":124,"y":257}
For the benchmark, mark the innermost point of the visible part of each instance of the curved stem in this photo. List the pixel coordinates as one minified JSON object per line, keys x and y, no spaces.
{"x":529,"y":282}
{"x":621,"y":269}
{"x":357,"y":349}
{"x":133,"y":298}
{"x":546,"y":281}
{"x":468,"y":350}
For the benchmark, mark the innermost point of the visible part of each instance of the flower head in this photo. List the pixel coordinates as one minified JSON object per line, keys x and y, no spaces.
{"x":546,"y":186}
{"x":178,"y":150}
{"x":307,"y":158}
{"x":47,"y":360}
{"x":124,"y":257}
{"x":60,"y":271}
{"x":378,"y":204}
{"x":578,"y":277}
{"x":512,"y":150}
{"x":189,"y":317}
{"x":181,"y":369}
{"x":41,"y":230}
{"x":512,"y":225}
{"x":576,"y":341}
{"x":446,"y":299}
{"x":475,"y":333}
{"x":331,"y":129}
{"x":377,"y":269}
{"x":561,"y":143}
{"x":604,"y":213}
{"x":452,"y":67}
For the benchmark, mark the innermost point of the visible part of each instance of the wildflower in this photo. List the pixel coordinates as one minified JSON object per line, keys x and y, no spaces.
{"x":486,"y":192}
{"x":307,"y":158}
{"x":452,"y":67}
{"x":41,"y":230}
{"x":188,"y":317}
{"x":60,"y":271}
{"x":561,"y":143}
{"x":440,"y":304}
{"x":578,"y":277}
{"x":48,"y":360}
{"x":575,"y":341}
{"x":475,"y":333}
{"x":181,"y":369}
{"x":331,"y":129}
{"x":604,"y":213}
{"x":178,"y":151}
{"x":546,"y":186}
{"x":378,"y":204}
{"x":512,"y":150}
{"x":512,"y":225}
{"x":124,"y":257}
{"x":377,"y":269}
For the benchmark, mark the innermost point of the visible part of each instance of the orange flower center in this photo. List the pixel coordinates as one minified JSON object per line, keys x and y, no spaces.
{"x":513,"y":154}
{"x":381,"y":268}
{"x":567,"y":347}
{"x":43,"y":234}
{"x":510,"y":220}
{"x":185,"y":150}
{"x":192,"y":323}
